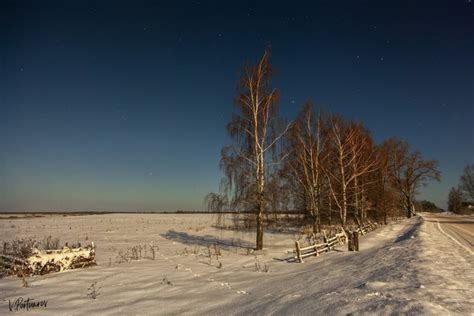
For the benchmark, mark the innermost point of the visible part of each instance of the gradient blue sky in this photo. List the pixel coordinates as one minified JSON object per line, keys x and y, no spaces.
{"x":110,"y":105}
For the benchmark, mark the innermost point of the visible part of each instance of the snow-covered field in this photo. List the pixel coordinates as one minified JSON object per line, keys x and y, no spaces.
{"x":410,"y":267}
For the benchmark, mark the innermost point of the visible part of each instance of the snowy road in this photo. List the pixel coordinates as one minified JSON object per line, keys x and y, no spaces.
{"x":460,"y":229}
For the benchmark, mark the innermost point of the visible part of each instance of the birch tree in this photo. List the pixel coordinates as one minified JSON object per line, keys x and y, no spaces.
{"x":350,"y":159}
{"x":306,"y":144}
{"x":362,"y":163}
{"x":255,"y":131}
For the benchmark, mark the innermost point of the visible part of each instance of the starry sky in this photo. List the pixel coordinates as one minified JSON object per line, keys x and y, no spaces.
{"x":122,"y":106}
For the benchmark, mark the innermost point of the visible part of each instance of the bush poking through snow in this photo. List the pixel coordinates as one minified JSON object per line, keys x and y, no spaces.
{"x":137,"y":252}
{"x":19,"y":248}
{"x":23,"y":278}
{"x":165,"y":281}
{"x":93,"y":292}
{"x":259,"y":268}
{"x":50,"y":244}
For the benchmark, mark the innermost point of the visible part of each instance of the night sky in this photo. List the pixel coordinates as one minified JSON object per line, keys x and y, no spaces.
{"x":122,"y":106}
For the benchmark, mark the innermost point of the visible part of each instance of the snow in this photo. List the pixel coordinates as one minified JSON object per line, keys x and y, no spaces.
{"x":407,"y":267}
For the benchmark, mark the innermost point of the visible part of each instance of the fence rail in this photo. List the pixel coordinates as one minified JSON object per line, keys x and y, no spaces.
{"x":329,"y":243}
{"x":366,"y":228}
{"x":317,"y":249}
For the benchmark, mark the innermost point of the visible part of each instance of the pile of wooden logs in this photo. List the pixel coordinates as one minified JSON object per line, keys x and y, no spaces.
{"x":46,"y":261}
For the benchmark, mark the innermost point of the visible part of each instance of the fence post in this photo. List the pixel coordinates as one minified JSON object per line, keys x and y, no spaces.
{"x":350,"y":239}
{"x":325,"y":238}
{"x":298,"y":251}
{"x":355,"y":239}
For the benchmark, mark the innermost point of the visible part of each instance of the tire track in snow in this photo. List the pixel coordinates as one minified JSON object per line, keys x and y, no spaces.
{"x":454,"y":239}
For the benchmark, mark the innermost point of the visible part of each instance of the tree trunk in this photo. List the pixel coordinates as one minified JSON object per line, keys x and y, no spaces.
{"x":356,"y":201}
{"x":330,"y":212}
{"x":343,"y":211}
{"x":260,"y":222}
{"x":260,"y":208}
{"x":316,"y":226}
{"x":408,"y":207}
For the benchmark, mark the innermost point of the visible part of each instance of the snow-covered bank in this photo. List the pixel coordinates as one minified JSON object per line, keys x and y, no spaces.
{"x":408,"y":267}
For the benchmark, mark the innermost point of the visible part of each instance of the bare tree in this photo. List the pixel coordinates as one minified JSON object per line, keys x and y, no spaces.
{"x":278,"y":196}
{"x":362,"y":162}
{"x":455,"y":200}
{"x":217,"y":203}
{"x":409,"y":171}
{"x":383,"y":194}
{"x":348,"y":148}
{"x":467,"y":182}
{"x":306,"y":144}
{"x":255,"y":131}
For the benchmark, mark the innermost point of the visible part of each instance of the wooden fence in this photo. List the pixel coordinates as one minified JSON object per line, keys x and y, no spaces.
{"x":316,"y":250}
{"x":368,"y":227}
{"x":329,"y":243}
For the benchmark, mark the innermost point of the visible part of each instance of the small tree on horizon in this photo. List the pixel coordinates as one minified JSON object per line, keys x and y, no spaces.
{"x":455,"y":200}
{"x":466,"y":184}
{"x":409,"y":171}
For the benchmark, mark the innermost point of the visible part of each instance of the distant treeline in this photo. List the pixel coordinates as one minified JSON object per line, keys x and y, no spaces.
{"x":73,"y":213}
